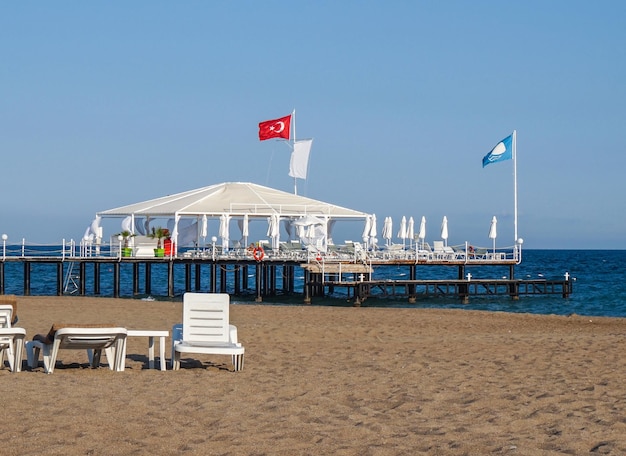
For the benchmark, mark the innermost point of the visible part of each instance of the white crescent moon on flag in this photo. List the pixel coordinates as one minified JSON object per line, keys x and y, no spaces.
{"x":499,"y":149}
{"x":282,"y":127}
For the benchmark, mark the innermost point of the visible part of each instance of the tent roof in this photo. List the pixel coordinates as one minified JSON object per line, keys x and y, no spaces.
{"x":236,"y":199}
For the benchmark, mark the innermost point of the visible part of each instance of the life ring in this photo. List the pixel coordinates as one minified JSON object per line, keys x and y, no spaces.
{"x":318,"y":257}
{"x":258,"y":253}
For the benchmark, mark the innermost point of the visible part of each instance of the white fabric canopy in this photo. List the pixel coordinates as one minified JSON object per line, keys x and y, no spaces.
{"x":235,"y":199}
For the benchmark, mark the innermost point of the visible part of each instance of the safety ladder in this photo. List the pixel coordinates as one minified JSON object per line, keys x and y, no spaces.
{"x":72,"y":279}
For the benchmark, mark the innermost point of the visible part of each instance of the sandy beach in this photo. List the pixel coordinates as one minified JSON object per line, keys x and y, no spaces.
{"x":326,"y":380}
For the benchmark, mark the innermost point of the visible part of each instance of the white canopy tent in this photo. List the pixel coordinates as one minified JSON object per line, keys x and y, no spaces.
{"x":233,"y":199}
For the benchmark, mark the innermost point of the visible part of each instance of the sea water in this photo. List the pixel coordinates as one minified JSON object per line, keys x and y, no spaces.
{"x":599,"y":283}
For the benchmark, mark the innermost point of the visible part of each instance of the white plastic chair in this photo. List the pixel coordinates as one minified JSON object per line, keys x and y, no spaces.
{"x":177,"y":337}
{"x":206,"y":329}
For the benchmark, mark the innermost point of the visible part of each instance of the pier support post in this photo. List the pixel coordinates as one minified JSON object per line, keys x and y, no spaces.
{"x":135,"y":278}
{"x":264,"y":278}
{"x":59,"y":279}
{"x":81,"y":279}
{"x":197,"y":278}
{"x":244,"y":281}
{"x":514,"y":291}
{"x":411,"y":286}
{"x":116,"y":279}
{"x":148,"y":285}
{"x":170,"y":279}
{"x":258,"y":281}
{"x":307,"y":287}
{"x":272,"y":280}
{"x":285,"y":278}
{"x":96,"y":279}
{"x":213,"y":284}
{"x":358,"y":295}
{"x":237,"y":279}
{"x":223,"y":276}
{"x":26,"y":278}
{"x":187,"y":277}
{"x":567,"y":288}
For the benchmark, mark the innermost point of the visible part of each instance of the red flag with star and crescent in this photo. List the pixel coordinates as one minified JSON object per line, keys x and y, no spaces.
{"x":277,"y":128}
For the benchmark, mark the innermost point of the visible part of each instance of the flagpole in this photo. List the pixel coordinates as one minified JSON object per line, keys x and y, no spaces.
{"x":515,"y":183}
{"x":293,"y":121}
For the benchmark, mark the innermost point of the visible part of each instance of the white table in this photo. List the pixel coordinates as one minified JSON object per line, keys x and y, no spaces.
{"x":151,"y":335}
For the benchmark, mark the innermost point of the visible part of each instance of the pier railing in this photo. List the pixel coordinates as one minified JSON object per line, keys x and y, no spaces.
{"x":351,"y":252}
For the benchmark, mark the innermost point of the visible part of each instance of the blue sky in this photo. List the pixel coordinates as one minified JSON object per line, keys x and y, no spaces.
{"x":113,"y":103}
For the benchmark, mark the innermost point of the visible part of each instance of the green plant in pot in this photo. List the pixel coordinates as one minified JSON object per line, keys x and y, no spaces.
{"x":127,"y":251}
{"x":159,"y":234}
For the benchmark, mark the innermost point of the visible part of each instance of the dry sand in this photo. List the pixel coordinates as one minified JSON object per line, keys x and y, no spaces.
{"x":319,"y":380}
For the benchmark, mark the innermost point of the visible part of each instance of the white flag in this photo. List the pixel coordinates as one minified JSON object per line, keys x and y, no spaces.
{"x":300,"y":158}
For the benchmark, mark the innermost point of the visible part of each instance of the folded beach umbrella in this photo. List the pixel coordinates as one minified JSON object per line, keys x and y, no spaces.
{"x":388,"y":229}
{"x":224,"y":230}
{"x":444,"y":230}
{"x":373,"y":230}
{"x":273,"y":229}
{"x":205,"y":227}
{"x":422,"y":231}
{"x":493,"y":232}
{"x":245,"y":231}
{"x":367,"y":228}
{"x":402,"y":230}
{"x":410,"y":231}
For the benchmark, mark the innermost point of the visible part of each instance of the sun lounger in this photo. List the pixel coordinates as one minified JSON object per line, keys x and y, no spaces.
{"x":9,"y":300}
{"x":12,"y":342}
{"x":443,"y":252}
{"x":93,"y":338}
{"x":8,"y":317}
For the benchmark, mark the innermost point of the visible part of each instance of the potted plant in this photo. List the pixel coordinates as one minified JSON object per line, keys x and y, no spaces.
{"x":127,"y":251}
{"x":159,"y":234}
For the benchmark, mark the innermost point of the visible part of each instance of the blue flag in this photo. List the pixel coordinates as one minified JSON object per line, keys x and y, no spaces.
{"x":502,"y":151}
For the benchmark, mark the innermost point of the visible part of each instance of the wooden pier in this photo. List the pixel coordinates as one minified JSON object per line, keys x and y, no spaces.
{"x":462,"y":289}
{"x":241,"y":276}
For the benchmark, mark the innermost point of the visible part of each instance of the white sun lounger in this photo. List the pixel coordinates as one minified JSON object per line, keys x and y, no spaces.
{"x":12,"y":342}
{"x":92,"y":339}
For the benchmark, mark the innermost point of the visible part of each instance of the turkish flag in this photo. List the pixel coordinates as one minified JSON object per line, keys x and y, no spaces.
{"x":277,"y":128}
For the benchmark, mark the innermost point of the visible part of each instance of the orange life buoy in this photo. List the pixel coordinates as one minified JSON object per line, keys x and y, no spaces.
{"x":318,"y":257}
{"x":258,"y":253}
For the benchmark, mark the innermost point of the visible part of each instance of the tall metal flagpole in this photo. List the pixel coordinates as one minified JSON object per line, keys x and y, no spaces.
{"x":293,"y":147}
{"x":515,"y":183}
